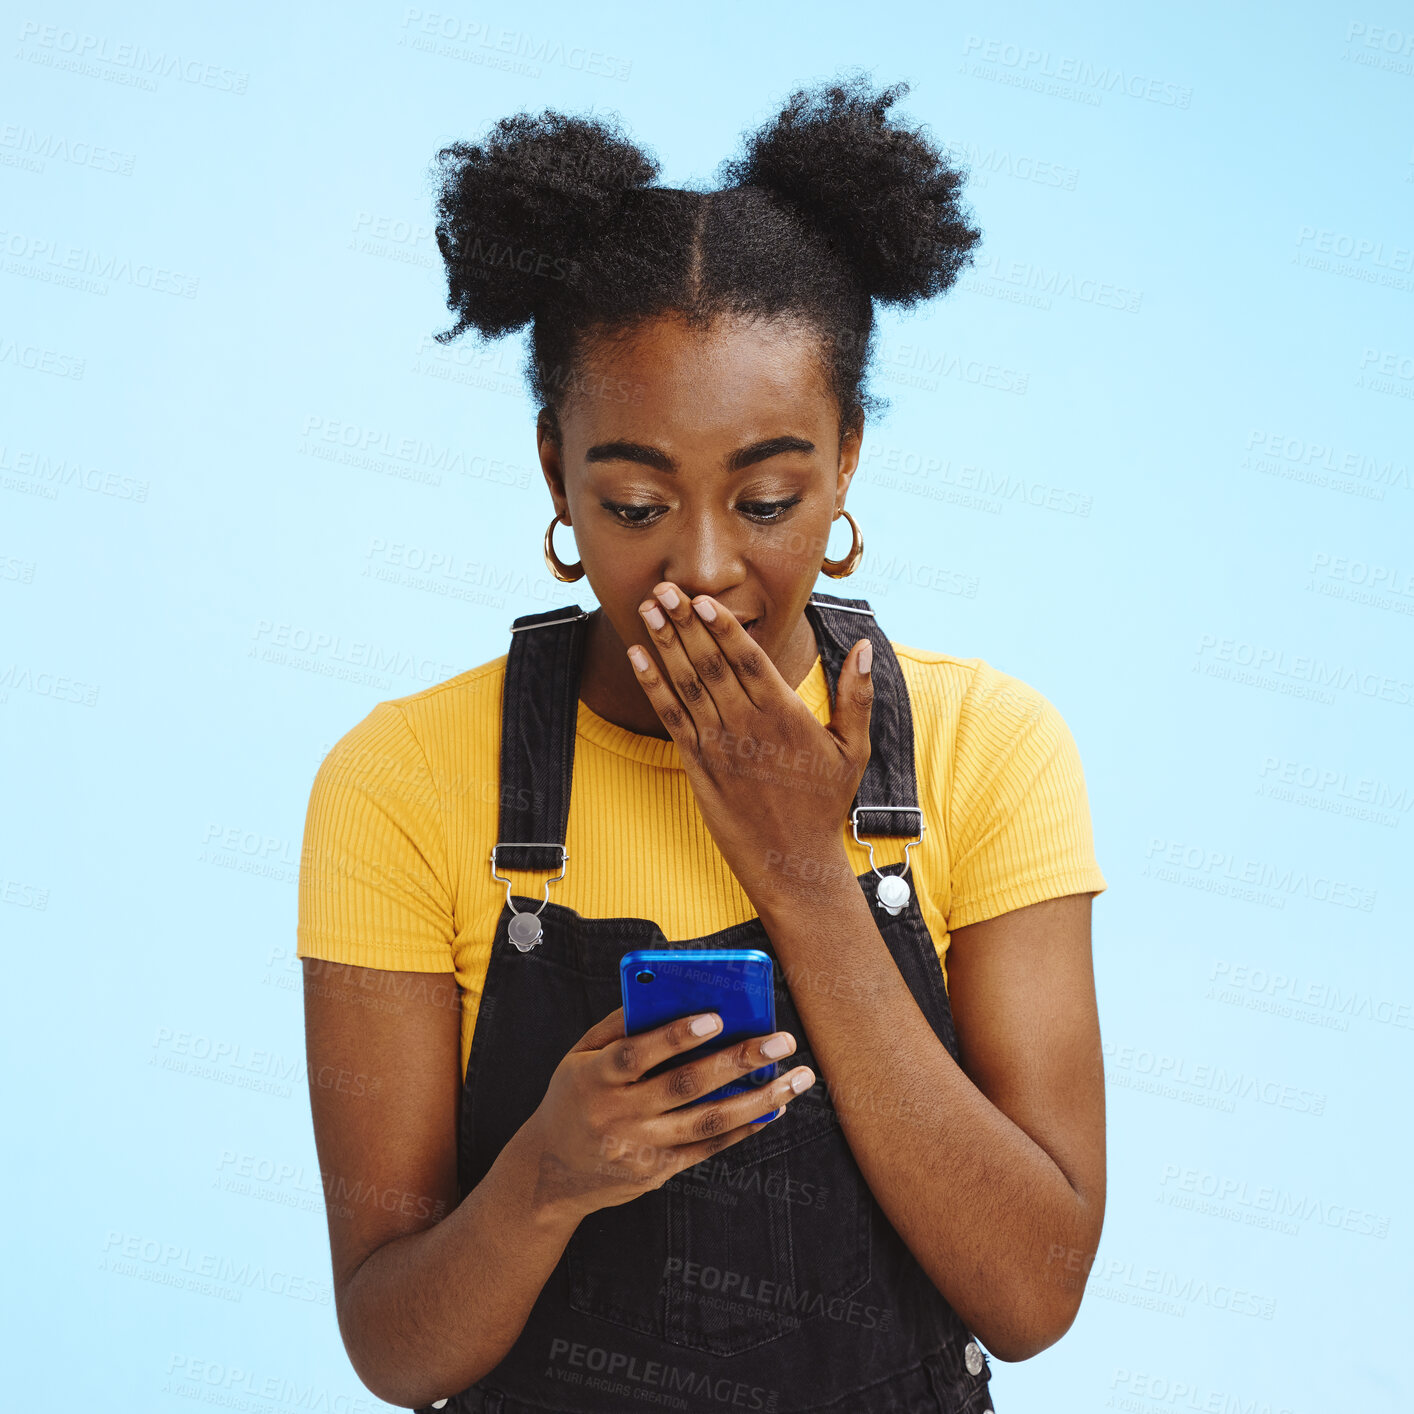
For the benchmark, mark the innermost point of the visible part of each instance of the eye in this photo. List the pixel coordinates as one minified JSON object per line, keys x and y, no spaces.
{"x":763,"y":512}
{"x":775,"y":510}
{"x":618,"y":511}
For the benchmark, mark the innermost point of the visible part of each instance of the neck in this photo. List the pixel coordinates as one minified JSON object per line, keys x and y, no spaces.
{"x":608,"y":685}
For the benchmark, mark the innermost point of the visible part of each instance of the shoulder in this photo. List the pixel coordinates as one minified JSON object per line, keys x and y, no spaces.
{"x":465,"y":692}
{"x":985,"y":737}
{"x":401,"y":737}
{"x":954,"y":694}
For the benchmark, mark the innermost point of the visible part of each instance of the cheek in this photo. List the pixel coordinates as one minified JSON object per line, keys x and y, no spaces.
{"x":794,"y":551}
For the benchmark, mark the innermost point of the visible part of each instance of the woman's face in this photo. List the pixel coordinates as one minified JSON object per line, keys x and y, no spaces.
{"x":711,"y":459}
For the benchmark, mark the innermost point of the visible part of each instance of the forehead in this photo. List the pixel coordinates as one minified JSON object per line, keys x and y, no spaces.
{"x":724,"y":378}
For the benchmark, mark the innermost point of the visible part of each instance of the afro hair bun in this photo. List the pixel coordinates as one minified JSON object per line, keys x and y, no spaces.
{"x":881,"y":192}
{"x":516,"y":209}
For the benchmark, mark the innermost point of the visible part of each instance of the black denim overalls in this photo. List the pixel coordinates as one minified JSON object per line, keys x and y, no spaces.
{"x":767,"y":1277}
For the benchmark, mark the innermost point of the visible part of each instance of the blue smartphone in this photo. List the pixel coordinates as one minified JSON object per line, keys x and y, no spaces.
{"x":661,"y":984}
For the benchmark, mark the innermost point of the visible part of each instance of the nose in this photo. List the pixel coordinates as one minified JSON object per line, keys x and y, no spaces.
{"x":705,"y":558}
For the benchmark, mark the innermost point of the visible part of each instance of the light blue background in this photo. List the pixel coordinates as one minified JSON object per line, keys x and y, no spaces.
{"x":1231,"y":458}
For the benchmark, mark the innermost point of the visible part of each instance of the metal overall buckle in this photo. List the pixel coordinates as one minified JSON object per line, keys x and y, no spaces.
{"x":893,"y":891}
{"x":525,"y":929}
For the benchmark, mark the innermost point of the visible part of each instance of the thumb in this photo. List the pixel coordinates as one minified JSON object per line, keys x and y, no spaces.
{"x":854,"y":699}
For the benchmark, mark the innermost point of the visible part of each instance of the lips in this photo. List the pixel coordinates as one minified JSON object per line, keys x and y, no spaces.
{"x":751,"y":625}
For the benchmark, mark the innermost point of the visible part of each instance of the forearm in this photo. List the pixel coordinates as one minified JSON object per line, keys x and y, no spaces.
{"x":980,"y":1204}
{"x":427,"y":1315}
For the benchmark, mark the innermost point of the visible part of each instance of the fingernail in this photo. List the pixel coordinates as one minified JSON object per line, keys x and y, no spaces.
{"x":866,"y":657}
{"x":639,"y":658}
{"x":669,"y":597}
{"x":777,"y":1046}
{"x":704,"y":607}
{"x":802,"y":1080}
{"x":655,"y":618}
{"x":701,"y":1025}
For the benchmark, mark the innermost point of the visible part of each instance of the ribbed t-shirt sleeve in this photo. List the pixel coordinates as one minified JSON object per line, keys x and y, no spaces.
{"x":373,"y":871}
{"x":1019,"y":820}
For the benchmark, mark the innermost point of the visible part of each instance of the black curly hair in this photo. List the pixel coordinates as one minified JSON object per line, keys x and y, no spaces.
{"x":830,"y":207}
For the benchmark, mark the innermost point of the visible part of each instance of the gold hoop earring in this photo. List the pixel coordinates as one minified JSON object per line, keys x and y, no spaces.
{"x":566,"y":573}
{"x":838,"y":569}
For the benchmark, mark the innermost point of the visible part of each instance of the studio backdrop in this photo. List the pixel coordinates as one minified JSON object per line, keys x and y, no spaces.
{"x":1151,"y":455}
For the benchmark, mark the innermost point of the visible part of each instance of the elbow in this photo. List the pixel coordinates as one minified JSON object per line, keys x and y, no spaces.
{"x":402,"y":1388}
{"x":380,"y":1381}
{"x":1041,"y":1299}
{"x":391,"y":1372}
{"x":1026,"y":1334}
{"x":1030,"y":1316}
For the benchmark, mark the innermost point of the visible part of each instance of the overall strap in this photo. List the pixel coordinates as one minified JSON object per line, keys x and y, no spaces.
{"x":540,"y":712}
{"x":886,"y":802}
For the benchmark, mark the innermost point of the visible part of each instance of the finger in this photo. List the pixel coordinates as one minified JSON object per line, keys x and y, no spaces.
{"x":695,"y":1125}
{"x":757,"y":677}
{"x":624,"y":1059}
{"x":666,"y":703}
{"x":689,"y":1154}
{"x":703,"y":650}
{"x":692,"y":1079}
{"x":662,"y":628}
{"x":854,"y":700}
{"x":664,"y":1159}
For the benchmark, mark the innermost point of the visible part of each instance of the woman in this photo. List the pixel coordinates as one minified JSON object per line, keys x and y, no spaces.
{"x":519,"y":1221}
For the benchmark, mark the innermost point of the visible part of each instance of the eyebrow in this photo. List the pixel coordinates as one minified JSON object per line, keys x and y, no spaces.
{"x":661,"y":461}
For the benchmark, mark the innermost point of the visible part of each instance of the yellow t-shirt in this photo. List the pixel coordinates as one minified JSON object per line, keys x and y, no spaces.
{"x":395,"y":871}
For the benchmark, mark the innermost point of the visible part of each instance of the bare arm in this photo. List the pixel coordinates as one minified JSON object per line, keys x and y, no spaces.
{"x":993,"y":1172}
{"x":430,"y":1293}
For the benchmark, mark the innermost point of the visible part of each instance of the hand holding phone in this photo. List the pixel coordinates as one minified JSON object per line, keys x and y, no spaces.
{"x":626,"y":1110}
